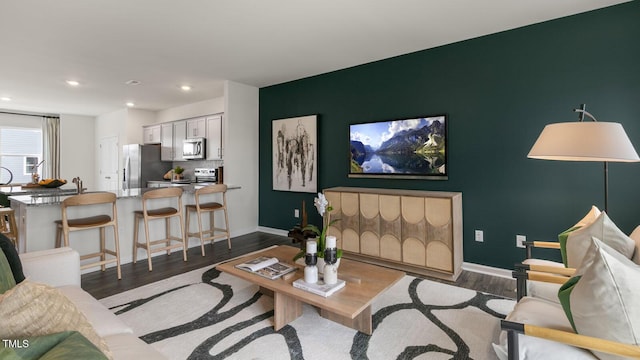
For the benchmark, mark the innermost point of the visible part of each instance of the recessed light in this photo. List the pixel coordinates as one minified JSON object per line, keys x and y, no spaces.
{"x":130,"y":104}
{"x":4,"y":98}
{"x":133,"y":82}
{"x":185,"y":87}
{"x":72,"y":83}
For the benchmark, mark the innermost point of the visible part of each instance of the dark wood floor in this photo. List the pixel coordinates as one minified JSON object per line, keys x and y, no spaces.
{"x":103,"y":284}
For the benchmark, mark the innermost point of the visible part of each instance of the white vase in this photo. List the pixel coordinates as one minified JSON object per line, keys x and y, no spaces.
{"x":330,"y":274}
{"x":311,"y":274}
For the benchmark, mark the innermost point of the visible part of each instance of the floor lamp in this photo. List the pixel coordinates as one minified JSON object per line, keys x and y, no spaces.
{"x":585,"y":141}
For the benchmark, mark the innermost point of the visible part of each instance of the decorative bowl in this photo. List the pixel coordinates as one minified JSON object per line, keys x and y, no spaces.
{"x":52,"y":183}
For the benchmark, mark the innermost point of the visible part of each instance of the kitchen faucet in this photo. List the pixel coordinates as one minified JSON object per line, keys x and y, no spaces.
{"x":78,"y":182}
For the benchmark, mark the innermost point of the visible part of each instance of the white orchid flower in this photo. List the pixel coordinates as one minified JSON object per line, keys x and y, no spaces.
{"x":321,"y":204}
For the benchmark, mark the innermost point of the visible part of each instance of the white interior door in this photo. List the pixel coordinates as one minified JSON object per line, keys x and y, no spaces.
{"x":109,"y":150}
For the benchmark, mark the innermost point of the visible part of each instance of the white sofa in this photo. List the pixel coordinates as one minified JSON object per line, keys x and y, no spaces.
{"x":60,"y":268}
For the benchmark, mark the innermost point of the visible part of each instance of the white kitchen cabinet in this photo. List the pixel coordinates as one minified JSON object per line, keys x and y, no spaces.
{"x":214,"y":137}
{"x":196,"y":128}
{"x":179,"y":135}
{"x":151,"y":134}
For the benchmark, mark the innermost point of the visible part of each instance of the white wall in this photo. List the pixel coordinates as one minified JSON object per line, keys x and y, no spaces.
{"x":112,"y":124}
{"x":206,"y":107}
{"x":125,"y":124}
{"x":241,"y":155}
{"x":134,"y":122}
{"x":240,"y":144}
{"x":77,"y":149}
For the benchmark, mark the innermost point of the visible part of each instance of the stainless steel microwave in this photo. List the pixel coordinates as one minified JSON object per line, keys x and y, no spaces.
{"x":193,"y":149}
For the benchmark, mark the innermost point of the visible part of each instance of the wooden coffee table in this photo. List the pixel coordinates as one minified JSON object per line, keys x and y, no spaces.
{"x":350,"y":306}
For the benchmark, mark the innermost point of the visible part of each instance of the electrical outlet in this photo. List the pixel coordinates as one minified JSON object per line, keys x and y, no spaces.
{"x":520,"y":239}
{"x":296,"y":213}
{"x":479,"y":236}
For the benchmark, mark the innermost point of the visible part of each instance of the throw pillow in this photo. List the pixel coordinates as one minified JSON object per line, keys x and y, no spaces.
{"x":32,"y":309}
{"x":635,"y":236}
{"x":578,"y":241}
{"x":6,"y":276}
{"x":562,"y":239}
{"x":63,"y":345}
{"x":12,"y":256}
{"x":603,"y":300}
{"x":591,"y":216}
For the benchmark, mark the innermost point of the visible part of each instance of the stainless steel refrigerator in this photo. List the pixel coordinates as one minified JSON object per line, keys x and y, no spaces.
{"x":142,"y":164}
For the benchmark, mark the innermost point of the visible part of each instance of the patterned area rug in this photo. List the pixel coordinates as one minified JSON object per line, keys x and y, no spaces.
{"x":205,"y":314}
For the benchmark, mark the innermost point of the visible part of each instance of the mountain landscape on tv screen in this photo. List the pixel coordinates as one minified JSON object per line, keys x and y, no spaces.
{"x":419,"y":151}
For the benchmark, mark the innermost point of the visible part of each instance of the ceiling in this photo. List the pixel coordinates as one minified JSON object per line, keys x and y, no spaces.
{"x":168,"y":43}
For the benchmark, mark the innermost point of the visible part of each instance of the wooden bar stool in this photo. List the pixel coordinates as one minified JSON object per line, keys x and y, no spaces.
{"x":102,"y":221}
{"x":201,"y":207}
{"x":8,"y":225}
{"x":173,"y":195}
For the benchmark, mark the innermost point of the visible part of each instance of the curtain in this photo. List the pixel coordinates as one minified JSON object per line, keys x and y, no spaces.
{"x":50,"y":147}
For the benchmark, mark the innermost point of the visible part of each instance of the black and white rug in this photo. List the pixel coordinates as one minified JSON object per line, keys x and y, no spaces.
{"x":205,"y":314}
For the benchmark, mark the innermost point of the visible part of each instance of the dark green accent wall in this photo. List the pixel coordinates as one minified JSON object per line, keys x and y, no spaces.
{"x":499,"y":91}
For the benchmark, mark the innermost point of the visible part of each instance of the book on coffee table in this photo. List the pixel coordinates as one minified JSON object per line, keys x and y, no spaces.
{"x":319,"y":288}
{"x":268,"y":267}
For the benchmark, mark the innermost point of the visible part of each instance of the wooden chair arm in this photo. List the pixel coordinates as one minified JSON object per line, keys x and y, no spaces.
{"x":544,"y":244}
{"x":544,"y":273}
{"x":552,"y":269}
{"x":550,"y":278}
{"x":573,"y":339}
{"x":529,"y":245}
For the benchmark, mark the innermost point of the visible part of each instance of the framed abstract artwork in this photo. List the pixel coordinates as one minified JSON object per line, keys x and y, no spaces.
{"x":295,"y":147}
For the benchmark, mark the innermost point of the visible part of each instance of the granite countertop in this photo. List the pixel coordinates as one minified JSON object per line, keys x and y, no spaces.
{"x":55,"y":198}
{"x":11,"y":190}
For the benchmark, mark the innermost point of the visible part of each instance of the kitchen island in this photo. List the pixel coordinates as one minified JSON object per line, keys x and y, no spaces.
{"x":36,"y":215}
{"x":30,"y":189}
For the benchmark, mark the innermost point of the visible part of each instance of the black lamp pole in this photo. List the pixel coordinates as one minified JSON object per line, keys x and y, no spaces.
{"x":582,"y":111}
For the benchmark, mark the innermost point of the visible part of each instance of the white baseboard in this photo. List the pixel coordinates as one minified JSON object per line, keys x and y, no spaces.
{"x":273,"y":231}
{"x":488,"y":270}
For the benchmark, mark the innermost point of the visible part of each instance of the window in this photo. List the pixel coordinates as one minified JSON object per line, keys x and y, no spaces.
{"x":20,"y":152}
{"x":30,"y":163}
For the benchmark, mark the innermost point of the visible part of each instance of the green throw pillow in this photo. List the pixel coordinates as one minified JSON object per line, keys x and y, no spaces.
{"x":58,"y":346}
{"x":564,"y":295}
{"x":7,"y":281}
{"x":12,"y":257}
{"x":562,"y":238}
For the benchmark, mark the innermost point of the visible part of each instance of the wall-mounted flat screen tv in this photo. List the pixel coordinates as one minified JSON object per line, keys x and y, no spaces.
{"x":414,"y":148}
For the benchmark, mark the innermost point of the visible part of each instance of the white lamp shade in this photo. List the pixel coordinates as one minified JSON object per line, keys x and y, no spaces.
{"x":584,"y":141}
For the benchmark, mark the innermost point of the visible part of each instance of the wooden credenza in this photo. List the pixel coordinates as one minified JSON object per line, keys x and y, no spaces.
{"x":411,"y":230}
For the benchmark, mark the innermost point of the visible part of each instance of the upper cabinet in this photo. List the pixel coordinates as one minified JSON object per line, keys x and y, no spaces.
{"x":171,"y":136}
{"x":167,"y":152}
{"x":196,"y":128}
{"x":214,"y":137}
{"x":151,"y":134}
